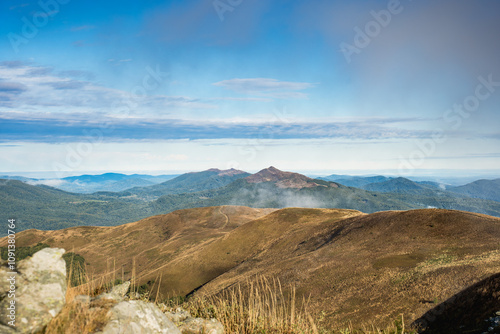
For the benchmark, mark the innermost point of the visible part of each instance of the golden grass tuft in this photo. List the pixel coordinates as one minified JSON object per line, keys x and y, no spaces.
{"x":260,"y":306}
{"x":78,"y":317}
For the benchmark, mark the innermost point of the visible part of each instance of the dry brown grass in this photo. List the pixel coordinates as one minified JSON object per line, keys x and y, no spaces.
{"x":370,"y":268}
{"x":81,"y":317}
{"x":260,"y":306}
{"x":86,"y":317}
{"x":161,"y":245}
{"x":348,"y":265}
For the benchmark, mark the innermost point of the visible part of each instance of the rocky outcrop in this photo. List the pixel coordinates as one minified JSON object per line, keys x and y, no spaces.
{"x":40,"y":291}
{"x":177,"y":316}
{"x":117,"y":293}
{"x":200,"y":325}
{"x":189,"y":325}
{"x":137,"y":316}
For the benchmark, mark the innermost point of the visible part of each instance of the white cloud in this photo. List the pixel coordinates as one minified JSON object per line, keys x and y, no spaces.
{"x":266,"y":87}
{"x":250,"y":155}
{"x":29,"y":88}
{"x":49,"y":182}
{"x":71,"y":127}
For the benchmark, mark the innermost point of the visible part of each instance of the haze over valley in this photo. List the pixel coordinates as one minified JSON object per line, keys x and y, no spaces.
{"x":43,"y":207}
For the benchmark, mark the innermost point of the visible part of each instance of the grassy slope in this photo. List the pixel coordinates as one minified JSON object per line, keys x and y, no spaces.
{"x":375,"y":267}
{"x":153,"y":242}
{"x":50,"y":208}
{"x":486,"y":189}
{"x":353,"y":266}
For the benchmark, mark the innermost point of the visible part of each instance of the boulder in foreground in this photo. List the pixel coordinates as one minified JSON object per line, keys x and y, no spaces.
{"x":40,"y":290}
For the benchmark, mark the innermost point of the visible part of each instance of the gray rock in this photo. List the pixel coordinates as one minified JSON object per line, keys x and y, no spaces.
{"x":40,"y":290}
{"x":178,"y":315}
{"x":121,"y":289}
{"x":7,"y":330}
{"x":201,"y":326}
{"x":4,"y":276}
{"x":117,"y":293}
{"x":137,"y":316}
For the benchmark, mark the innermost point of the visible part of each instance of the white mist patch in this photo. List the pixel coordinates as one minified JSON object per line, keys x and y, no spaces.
{"x":269,"y":198}
{"x":56,"y":183}
{"x":301,"y":201}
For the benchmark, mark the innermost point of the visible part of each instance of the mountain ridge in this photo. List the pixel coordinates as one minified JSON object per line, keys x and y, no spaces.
{"x":353,"y":266}
{"x":399,"y":185}
{"x":277,"y":189}
{"x":189,"y":182}
{"x":485,"y":189}
{"x":46,"y":207}
{"x":285,"y":179}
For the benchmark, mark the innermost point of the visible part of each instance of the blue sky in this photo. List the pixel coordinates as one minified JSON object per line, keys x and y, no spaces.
{"x":317,"y":86}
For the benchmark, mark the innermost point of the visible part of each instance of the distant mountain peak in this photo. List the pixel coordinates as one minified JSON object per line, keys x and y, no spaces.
{"x":270,"y":174}
{"x":231,"y":172}
{"x":404,"y":181}
{"x":397,"y":185}
{"x":400,"y":178}
{"x":226,"y":172}
{"x":282,"y":179}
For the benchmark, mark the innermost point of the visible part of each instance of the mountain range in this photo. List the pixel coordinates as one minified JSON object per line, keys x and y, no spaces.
{"x":87,"y":184}
{"x":108,"y":182}
{"x":364,"y":254}
{"x":355,"y":181}
{"x":44,"y":207}
{"x":189,"y":182}
{"x":486,"y":189}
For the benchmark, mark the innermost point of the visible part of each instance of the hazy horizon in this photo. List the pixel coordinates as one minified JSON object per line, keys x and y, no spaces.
{"x":423,"y":174}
